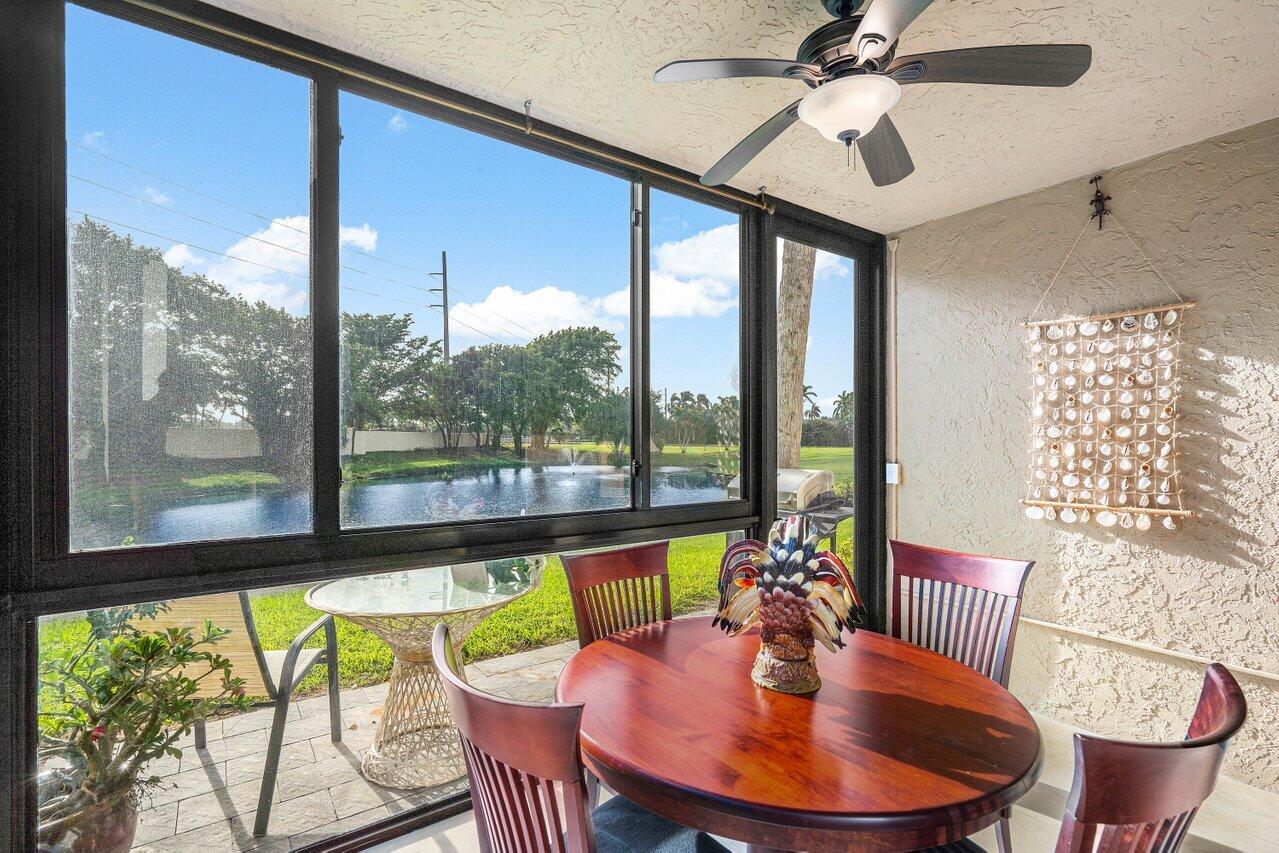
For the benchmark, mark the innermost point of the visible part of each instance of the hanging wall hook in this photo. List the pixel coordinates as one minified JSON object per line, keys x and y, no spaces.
{"x":1098,"y":202}
{"x":528,"y":116}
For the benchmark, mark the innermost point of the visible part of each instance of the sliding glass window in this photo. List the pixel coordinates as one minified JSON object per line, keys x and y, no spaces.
{"x":486,"y":314}
{"x":695,"y":262}
{"x":189,"y":335}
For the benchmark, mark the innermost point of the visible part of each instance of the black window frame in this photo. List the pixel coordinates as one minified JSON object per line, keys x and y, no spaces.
{"x":42,"y":577}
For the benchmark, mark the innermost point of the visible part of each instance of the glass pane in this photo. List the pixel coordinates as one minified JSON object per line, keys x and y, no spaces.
{"x":520,"y":405}
{"x":815,"y":387}
{"x":207,"y":798}
{"x":188,"y":181}
{"x":695,"y":355}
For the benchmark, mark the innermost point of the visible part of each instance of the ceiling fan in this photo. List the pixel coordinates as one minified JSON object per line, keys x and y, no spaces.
{"x":855,"y":79}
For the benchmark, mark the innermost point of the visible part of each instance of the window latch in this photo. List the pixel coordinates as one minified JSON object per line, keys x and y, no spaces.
{"x":635,"y":467}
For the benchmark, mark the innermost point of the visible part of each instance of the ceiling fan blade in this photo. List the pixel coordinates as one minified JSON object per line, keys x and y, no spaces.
{"x":1008,"y":65}
{"x":884,"y":153}
{"x":686,"y":70}
{"x":743,"y":152}
{"x":884,"y":22}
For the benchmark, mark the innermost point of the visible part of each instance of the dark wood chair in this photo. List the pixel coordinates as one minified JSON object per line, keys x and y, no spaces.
{"x":616,"y":590}
{"x":963,"y":606}
{"x":528,"y":785}
{"x":1130,"y":797}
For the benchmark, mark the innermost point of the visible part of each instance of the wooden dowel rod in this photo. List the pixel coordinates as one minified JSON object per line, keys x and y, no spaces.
{"x":1114,"y":315}
{"x":1147,"y":510}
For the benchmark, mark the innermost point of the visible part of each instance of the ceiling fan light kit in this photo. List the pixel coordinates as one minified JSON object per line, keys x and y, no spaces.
{"x":845,"y":109}
{"x":855,"y":76}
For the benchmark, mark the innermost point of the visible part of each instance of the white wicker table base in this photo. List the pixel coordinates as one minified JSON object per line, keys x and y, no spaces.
{"x":416,"y":744}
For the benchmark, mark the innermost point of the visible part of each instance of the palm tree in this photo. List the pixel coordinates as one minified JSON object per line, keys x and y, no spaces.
{"x":844,"y":407}
{"x":810,"y":397}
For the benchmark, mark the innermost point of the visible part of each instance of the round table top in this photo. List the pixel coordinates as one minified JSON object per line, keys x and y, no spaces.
{"x":427,"y":592}
{"x":898,"y":739}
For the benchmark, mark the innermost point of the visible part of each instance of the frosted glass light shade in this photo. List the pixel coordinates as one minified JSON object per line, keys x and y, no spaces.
{"x":849,"y":106}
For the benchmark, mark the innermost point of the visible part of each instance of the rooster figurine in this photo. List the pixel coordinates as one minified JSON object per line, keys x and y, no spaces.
{"x":797,"y":594}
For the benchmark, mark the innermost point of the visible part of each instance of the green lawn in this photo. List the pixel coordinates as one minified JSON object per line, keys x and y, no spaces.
{"x":541,"y":618}
{"x":837,"y":459}
{"x":406,"y":463}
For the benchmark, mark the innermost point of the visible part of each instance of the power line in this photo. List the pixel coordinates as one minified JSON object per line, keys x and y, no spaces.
{"x":273,"y":220}
{"x":305,"y":254}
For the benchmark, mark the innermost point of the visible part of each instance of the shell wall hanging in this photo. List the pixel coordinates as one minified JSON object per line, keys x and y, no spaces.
{"x":1105,"y":400}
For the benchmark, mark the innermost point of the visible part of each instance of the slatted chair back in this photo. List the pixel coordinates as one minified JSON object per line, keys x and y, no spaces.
{"x":616,"y":590}
{"x":963,"y":606}
{"x":231,"y":612}
{"x":1141,"y":797}
{"x":522,"y":759}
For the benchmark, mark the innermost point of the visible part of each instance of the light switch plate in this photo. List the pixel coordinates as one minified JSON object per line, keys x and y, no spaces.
{"x":893,"y":473}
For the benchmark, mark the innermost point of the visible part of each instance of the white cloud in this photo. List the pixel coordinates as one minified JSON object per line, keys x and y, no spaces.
{"x":179,"y":255}
{"x":397,"y":122}
{"x":826,"y":268}
{"x":155,"y":196}
{"x":693,"y":277}
{"x":271,"y":266}
{"x":93,"y":138}
{"x":510,"y":315}
{"x":363,"y":237}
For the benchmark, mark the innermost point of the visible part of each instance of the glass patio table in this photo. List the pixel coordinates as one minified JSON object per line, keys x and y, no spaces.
{"x":416,"y":744}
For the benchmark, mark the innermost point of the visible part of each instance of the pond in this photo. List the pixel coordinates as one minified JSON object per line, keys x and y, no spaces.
{"x":490,"y":493}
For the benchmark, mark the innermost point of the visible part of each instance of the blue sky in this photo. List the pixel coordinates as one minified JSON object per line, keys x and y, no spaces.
{"x":534,"y":243}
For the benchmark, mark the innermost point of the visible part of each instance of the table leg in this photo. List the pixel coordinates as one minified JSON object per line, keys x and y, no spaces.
{"x":416,"y":744}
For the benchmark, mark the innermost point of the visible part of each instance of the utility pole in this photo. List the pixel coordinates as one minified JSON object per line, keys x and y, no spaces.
{"x":443,"y":290}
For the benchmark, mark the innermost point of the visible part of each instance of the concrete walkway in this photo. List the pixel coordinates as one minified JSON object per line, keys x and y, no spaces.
{"x":206,"y":800}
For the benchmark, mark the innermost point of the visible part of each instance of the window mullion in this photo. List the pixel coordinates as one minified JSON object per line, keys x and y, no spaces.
{"x":326,"y":137}
{"x":641,"y":393}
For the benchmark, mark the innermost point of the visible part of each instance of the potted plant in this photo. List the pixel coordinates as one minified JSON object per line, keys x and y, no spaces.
{"x":108,"y":708}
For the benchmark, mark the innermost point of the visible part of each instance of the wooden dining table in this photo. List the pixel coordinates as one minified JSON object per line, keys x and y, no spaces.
{"x":900,"y":749}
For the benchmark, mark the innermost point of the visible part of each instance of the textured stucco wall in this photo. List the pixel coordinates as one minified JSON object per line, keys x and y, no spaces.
{"x":1208,"y":214}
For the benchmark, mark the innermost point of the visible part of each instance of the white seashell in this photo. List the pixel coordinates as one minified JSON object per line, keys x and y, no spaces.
{"x":1163,"y":463}
{"x":1039,"y":381}
{"x":1165,"y":355}
{"x":1170,"y":317}
{"x":1070,"y":348}
{"x":1143,"y":411}
{"x":1086,"y":463}
{"x":1106,"y":347}
{"x":1127,"y":324}
{"x":1034,"y":513}
{"x":1167,"y":374}
{"x":1070,"y":330}
{"x":1170,"y":522}
{"x":1143,"y":484}
{"x":1143,"y":521}
{"x":1104,"y":416}
{"x":1054,"y":368}
{"x":1126,"y":522}
{"x":1069,"y":381}
{"x":1040,"y":474}
{"x":1147,"y":341}
{"x":1054,"y":492}
{"x":1084,"y":516}
{"x":1088,"y":328}
{"x":1103,"y":483}
{"x":1165,"y":393}
{"x":1089,"y":365}
{"x":1069,"y":448}
{"x":1054,"y":333}
{"x":1151,"y":321}
{"x":1147,"y":360}
{"x":1106,"y":518}
{"x":1143,"y":501}
{"x":1106,"y":449}
{"x":1107,"y":467}
{"x":1145,"y":377}
{"x":1165,"y":450}
{"x":1054,"y":432}
{"x":1034,"y":333}
{"x":1086,"y":397}
{"x":1068,"y":515}
{"x":1050,"y":513}
{"x":1052,"y":350}
{"x":1070,"y":480}
{"x":1106,"y":380}
{"x":1143,"y":448}
{"x":1163,"y":500}
{"x":1108,"y":325}
{"x":1123,"y":431}
{"x":1125,"y":362}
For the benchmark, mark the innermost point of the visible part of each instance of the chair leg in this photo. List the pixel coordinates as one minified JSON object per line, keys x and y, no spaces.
{"x":335,"y":689}
{"x":1005,"y":832}
{"x":592,"y":789}
{"x":272,"y":762}
{"x":200,"y":739}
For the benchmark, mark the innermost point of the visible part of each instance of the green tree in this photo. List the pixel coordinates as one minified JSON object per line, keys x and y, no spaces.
{"x":375,"y":349}
{"x":608,"y":419}
{"x":569,"y":370}
{"x":844,"y":411}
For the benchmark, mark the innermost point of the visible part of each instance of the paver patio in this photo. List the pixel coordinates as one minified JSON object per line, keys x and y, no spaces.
{"x":208,"y":798}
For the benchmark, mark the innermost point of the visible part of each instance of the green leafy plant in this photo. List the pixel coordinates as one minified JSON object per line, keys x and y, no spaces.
{"x":116,"y":702}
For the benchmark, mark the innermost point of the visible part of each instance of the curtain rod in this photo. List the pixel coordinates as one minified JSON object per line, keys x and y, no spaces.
{"x":526,"y":126}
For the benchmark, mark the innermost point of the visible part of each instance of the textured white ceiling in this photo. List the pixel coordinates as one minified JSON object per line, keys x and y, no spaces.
{"x":1165,"y":73}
